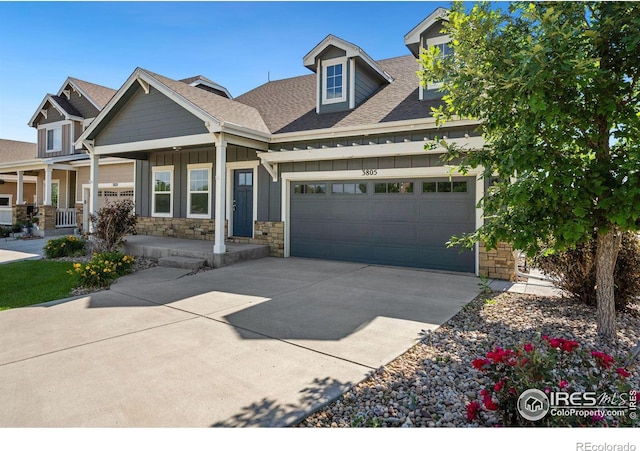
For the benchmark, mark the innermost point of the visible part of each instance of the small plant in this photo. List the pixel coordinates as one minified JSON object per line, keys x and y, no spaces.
{"x":549,"y":365}
{"x":102,"y":269}
{"x":484,"y":285}
{"x":66,"y":246}
{"x":111,"y":223}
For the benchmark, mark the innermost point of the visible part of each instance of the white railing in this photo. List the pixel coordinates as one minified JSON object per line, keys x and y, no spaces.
{"x":65,"y":217}
{"x":6,"y":215}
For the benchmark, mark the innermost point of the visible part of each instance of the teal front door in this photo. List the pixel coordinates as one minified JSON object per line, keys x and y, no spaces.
{"x":243,"y":202}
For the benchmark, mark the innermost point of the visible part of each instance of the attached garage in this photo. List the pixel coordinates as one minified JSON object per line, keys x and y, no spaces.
{"x":111,"y":195}
{"x":398,"y":222}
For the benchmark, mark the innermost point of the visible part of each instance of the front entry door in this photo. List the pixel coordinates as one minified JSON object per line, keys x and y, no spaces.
{"x":243,"y":202}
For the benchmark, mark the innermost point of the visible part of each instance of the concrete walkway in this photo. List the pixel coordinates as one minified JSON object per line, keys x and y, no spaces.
{"x":260,"y":343}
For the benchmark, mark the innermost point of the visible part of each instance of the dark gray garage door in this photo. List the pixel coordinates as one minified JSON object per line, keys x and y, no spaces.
{"x":386,"y":222}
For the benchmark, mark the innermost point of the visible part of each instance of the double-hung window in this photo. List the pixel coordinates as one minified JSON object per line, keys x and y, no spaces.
{"x":54,"y":139}
{"x":199,"y":196}
{"x":334,"y":80}
{"x":162,"y":191}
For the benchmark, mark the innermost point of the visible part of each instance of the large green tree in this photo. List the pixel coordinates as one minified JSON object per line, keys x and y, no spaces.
{"x":556,"y":86}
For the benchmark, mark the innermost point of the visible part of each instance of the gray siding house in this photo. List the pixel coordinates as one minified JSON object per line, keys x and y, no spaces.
{"x":327,"y":165}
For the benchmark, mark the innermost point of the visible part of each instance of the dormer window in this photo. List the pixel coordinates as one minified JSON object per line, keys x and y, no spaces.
{"x":334,"y":79}
{"x":54,"y":139}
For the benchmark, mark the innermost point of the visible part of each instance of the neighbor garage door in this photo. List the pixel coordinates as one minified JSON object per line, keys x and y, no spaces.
{"x":112,"y":195}
{"x":386,"y":222}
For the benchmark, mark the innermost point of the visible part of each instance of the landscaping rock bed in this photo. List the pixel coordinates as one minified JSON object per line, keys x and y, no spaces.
{"x":430,"y":385}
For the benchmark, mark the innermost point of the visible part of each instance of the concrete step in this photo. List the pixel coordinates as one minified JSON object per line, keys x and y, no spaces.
{"x":182,"y":262}
{"x":240,"y":253}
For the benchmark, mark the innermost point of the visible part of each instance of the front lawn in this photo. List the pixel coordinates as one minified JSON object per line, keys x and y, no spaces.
{"x":34,"y":281}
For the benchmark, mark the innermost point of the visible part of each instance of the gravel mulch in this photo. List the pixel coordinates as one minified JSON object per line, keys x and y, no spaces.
{"x":430,"y":385}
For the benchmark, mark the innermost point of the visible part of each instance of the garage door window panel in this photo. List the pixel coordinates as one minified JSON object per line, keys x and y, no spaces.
{"x":394,"y":188}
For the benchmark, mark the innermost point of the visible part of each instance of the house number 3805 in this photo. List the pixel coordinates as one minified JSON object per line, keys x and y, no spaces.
{"x":369,"y":172}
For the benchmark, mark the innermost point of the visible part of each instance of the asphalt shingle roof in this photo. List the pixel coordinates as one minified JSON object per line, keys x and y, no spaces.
{"x":11,"y":151}
{"x":223,"y":109}
{"x":99,"y":94}
{"x":66,"y":105}
{"x":289,"y":105}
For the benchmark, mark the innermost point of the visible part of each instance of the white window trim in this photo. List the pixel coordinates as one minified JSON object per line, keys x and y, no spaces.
{"x":153,"y":192}
{"x":431,"y":42}
{"x":209,"y":167}
{"x":58,"y":125}
{"x":55,"y":182}
{"x":252,"y":164}
{"x":383,"y":174}
{"x":334,"y":62}
{"x":7,"y":196}
{"x":46,"y":139}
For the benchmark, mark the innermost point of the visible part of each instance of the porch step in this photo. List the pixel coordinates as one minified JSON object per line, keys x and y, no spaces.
{"x":182,"y":262}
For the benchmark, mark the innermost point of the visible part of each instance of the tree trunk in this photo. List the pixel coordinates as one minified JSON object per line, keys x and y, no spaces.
{"x":606,"y":256}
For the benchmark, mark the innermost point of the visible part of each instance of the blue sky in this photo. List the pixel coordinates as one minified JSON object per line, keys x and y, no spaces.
{"x":234,"y":43}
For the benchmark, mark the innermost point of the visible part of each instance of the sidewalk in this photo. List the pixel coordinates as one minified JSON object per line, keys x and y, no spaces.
{"x":531,"y":286}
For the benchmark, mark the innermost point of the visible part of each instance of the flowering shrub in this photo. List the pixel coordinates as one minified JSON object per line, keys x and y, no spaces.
{"x":102,"y":269}
{"x":111,"y":223}
{"x":549,"y":365}
{"x":66,"y":246}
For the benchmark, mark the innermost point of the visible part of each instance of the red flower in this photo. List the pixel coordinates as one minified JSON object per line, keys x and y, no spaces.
{"x":484,"y":393}
{"x":479,"y":364}
{"x":569,"y":345}
{"x":555,"y":342}
{"x":498,"y":386}
{"x":472,"y":410}
{"x":622,"y":372}
{"x":603,"y":360}
{"x":489,"y":404}
{"x":528,"y":347}
{"x":563,"y":384}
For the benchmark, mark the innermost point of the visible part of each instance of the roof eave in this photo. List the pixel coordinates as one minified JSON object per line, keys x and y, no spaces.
{"x":413,"y":37}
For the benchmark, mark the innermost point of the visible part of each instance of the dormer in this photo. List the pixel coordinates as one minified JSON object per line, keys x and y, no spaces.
{"x":57,"y":122}
{"x":202,"y":82}
{"x":429,"y":33}
{"x":345,"y":75}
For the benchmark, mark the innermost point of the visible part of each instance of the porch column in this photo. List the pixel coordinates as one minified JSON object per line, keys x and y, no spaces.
{"x":20,"y":189}
{"x":221,"y":195}
{"x":94,"y":174}
{"x":47,"y":185}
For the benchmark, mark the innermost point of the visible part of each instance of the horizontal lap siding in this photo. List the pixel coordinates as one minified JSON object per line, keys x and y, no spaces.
{"x":150,"y":116}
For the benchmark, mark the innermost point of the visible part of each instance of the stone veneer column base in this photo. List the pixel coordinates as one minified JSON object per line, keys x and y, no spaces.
{"x":497,"y":263}
{"x":47,"y":217}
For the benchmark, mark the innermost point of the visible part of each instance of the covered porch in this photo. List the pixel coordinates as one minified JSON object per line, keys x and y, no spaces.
{"x":43,"y":195}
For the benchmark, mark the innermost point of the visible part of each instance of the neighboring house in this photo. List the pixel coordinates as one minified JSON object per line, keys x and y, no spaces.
{"x":15,"y":153}
{"x":328,"y":165}
{"x":59,"y":171}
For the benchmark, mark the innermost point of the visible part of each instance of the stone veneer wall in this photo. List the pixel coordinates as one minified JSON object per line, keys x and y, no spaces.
{"x":187,"y":228}
{"x":79,"y":216}
{"x":497,"y":263}
{"x":47,"y":217}
{"x":266,"y":232}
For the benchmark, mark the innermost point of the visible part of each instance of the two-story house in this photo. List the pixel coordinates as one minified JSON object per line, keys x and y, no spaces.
{"x":328,"y":165}
{"x":58,"y":171}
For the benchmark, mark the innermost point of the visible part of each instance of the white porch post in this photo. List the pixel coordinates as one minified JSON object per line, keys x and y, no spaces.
{"x":20,"y":189}
{"x":94,"y":174}
{"x":221,"y":195}
{"x":47,"y":185}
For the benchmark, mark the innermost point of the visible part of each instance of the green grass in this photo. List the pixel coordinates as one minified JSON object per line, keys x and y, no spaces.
{"x":34,"y":281}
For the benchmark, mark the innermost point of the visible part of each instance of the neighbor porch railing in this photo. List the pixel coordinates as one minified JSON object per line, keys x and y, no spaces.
{"x":65,"y":217}
{"x":6,"y":215}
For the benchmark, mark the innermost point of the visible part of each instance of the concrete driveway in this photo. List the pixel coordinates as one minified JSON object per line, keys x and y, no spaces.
{"x":14,"y":250}
{"x":261,"y":343}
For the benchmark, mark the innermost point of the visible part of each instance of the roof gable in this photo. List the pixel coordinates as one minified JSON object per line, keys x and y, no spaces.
{"x":61,"y":104}
{"x":412,"y":39}
{"x":201,"y":81}
{"x":350,"y":49}
{"x":96,"y":94}
{"x":214,"y":110}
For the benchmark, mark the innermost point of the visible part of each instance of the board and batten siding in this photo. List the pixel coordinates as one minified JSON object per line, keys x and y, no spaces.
{"x":180,"y":160}
{"x":149,"y":116}
{"x":66,"y":143}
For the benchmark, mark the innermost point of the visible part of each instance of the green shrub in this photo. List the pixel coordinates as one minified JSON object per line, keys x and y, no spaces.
{"x":111,"y":223}
{"x":102,"y":269}
{"x":574,"y":271}
{"x":66,"y":246}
